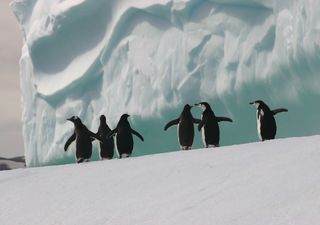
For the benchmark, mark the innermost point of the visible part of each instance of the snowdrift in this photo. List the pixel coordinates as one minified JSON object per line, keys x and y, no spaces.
{"x":275,"y":182}
{"x":149,"y":58}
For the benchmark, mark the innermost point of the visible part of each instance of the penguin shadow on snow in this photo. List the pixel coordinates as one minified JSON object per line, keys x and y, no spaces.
{"x":266,"y":123}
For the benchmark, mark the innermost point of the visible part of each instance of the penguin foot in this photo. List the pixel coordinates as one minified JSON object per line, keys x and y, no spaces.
{"x":124,"y":155}
{"x":213,"y":146}
{"x":81,"y":160}
{"x":105,"y":158}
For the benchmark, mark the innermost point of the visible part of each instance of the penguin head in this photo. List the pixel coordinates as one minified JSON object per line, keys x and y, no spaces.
{"x":124,"y":117}
{"x":102,"y":118}
{"x":258,"y":103}
{"x":124,"y":120}
{"x":203,"y":105}
{"x":74,"y":119}
{"x":187,"y":108}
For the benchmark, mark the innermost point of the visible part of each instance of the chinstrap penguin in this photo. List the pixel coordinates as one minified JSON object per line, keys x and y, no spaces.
{"x":124,"y":138}
{"x":209,"y":126}
{"x":107,"y":144}
{"x":185,"y":127}
{"x":83,"y":137}
{"x":266,"y":123}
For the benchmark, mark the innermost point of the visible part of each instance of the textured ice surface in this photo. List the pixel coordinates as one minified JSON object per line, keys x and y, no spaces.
{"x":148,"y":58}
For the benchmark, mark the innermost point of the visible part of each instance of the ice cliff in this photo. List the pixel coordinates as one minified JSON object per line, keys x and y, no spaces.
{"x":150,"y":57}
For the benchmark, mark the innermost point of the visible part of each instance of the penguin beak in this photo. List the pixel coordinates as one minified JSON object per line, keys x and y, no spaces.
{"x":197,"y":104}
{"x":251,"y":103}
{"x":70,"y":119}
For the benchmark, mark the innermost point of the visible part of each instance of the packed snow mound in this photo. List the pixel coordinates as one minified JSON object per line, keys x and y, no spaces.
{"x":149,"y":58}
{"x":274,"y":182}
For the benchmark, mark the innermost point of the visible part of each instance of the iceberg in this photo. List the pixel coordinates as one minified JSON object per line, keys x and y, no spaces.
{"x":148,"y":58}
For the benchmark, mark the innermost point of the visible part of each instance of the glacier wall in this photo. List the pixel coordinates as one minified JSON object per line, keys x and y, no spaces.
{"x":148,"y":58}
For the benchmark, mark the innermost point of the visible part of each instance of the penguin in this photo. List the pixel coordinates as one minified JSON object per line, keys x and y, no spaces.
{"x":209,"y":126}
{"x":124,"y":139}
{"x":185,"y":127}
{"x":266,"y":123}
{"x":83,"y":137}
{"x":107,"y":146}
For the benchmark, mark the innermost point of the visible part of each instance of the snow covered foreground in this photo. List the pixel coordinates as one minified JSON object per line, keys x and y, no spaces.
{"x":275,"y":182}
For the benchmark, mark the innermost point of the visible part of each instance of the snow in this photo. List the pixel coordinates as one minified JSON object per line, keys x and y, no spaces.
{"x":149,"y":58}
{"x":274,"y":182}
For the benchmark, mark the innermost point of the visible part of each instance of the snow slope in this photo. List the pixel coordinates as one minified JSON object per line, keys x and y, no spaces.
{"x":275,"y":182}
{"x":148,"y":58}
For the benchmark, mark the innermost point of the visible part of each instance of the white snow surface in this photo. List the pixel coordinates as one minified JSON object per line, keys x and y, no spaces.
{"x":274,"y":182}
{"x":148,"y":58}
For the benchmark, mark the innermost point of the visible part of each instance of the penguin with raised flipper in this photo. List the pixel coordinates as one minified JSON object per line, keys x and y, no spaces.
{"x":266,"y":123}
{"x":185,"y":127}
{"x":83,"y":137}
{"x":107,"y":144}
{"x":124,"y":138}
{"x":209,"y":126}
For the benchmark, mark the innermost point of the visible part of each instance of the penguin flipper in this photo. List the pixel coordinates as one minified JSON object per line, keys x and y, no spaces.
{"x":197,"y":121}
{"x":171,"y":123}
{"x":275,"y":111}
{"x":222,"y":118}
{"x":137,"y":134}
{"x":95,"y":136}
{"x":69,"y":141}
{"x":112,"y":133}
{"x":200,"y":125}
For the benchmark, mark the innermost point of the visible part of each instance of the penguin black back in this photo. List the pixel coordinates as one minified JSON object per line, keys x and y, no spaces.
{"x":107,"y":146}
{"x":266,"y":123}
{"x":185,"y":127}
{"x":124,"y":138}
{"x":83,"y":137}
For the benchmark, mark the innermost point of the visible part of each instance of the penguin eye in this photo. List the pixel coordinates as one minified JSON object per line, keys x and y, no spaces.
{"x":75,"y":117}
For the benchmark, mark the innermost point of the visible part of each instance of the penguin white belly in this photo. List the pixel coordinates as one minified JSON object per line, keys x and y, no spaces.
{"x":203,"y":137}
{"x":178,"y":135}
{"x":259,"y":125}
{"x":203,"y":133}
{"x":116,"y":146}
